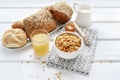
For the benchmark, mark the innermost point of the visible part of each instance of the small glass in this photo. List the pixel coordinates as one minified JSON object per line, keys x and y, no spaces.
{"x":40,"y":43}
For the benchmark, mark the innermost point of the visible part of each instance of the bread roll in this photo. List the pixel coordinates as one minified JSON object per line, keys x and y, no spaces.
{"x":14,"y":38}
{"x":42,"y":19}
{"x":62,"y":12}
{"x":18,"y":24}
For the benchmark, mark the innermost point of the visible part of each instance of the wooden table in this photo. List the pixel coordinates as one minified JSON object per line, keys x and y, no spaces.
{"x":20,"y":65}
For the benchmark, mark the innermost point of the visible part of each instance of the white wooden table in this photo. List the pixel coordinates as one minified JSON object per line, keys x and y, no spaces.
{"x":20,"y":65}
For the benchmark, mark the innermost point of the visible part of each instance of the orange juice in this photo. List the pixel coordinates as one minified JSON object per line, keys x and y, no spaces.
{"x":40,"y":44}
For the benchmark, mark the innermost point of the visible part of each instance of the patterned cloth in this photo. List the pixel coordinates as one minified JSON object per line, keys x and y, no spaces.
{"x":83,"y":62}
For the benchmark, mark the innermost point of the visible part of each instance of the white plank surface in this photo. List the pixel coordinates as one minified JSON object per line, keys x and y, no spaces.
{"x":34,"y":71}
{"x":20,"y":64}
{"x":38,"y":3}
{"x":12,"y":15}
{"x":100,"y":14}
{"x":108,"y":50}
{"x":107,"y":30}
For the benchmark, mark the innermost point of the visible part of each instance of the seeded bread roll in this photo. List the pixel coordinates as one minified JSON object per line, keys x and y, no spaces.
{"x":42,"y":19}
{"x":61,"y":11}
{"x":14,"y":38}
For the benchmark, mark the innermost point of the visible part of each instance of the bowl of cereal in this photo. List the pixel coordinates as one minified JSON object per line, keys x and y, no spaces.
{"x":68,"y":45}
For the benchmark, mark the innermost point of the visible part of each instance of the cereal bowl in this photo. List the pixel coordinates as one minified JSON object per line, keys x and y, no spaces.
{"x":68,"y":45}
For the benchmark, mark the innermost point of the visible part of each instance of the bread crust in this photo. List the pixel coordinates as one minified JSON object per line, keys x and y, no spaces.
{"x":18,"y":24}
{"x":14,"y":38}
{"x":62,"y":12}
{"x":42,"y":19}
{"x":61,"y":17}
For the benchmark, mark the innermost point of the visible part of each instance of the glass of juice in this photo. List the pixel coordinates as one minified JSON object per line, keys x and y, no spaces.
{"x":40,"y":43}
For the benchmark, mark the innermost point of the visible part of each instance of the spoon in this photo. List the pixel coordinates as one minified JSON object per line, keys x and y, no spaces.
{"x":84,"y":36}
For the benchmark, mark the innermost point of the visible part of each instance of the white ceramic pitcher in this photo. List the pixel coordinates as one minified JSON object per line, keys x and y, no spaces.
{"x":83,"y":17}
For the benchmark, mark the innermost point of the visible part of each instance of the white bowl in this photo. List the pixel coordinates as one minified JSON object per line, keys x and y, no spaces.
{"x":68,"y":55}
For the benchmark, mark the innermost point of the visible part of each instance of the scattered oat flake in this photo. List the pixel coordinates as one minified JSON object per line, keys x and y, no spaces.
{"x":101,"y":62}
{"x":30,"y":55}
{"x":58,"y":75}
{"x":38,"y":58}
{"x":48,"y":78}
{"x":21,"y":62}
{"x":48,"y":51}
{"x":28,"y":62}
{"x":110,"y":61}
{"x":43,"y":68}
{"x":37,"y":77}
{"x":43,"y":62}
